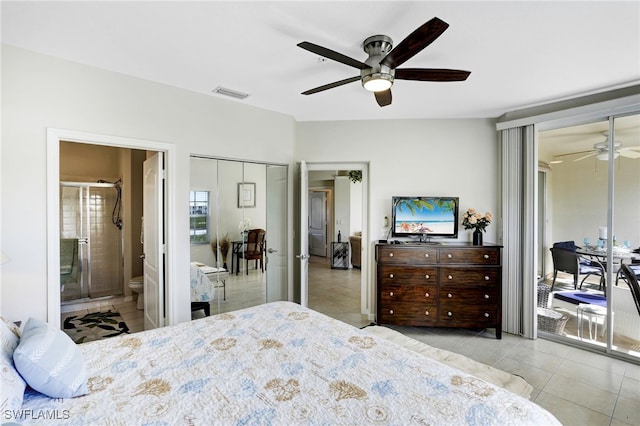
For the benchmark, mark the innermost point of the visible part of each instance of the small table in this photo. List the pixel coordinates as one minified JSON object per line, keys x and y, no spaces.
{"x":600,"y":256}
{"x":215,"y":275}
{"x":339,"y":255}
{"x":593,"y":313}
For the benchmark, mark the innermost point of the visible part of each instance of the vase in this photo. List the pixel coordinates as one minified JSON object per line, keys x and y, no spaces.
{"x":477,"y":237}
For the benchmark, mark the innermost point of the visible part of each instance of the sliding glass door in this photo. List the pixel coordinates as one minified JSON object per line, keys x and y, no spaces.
{"x":592,"y":210}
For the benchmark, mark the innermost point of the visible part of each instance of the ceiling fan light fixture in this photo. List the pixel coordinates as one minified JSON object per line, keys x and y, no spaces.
{"x":377,"y":82}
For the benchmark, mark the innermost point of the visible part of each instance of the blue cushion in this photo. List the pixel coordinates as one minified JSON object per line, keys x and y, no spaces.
{"x":568,"y":245}
{"x":577,"y":297}
{"x":12,"y":384}
{"x":49,"y":361}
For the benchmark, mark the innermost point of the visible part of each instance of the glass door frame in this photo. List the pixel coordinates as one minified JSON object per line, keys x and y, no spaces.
{"x":610,"y":218}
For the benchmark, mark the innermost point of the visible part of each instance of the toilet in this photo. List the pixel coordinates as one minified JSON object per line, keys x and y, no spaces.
{"x":136,"y":284}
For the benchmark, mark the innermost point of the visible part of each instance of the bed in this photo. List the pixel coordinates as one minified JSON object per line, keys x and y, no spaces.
{"x":279,"y":364}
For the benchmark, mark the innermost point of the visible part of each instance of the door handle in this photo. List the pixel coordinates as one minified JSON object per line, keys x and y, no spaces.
{"x":270,"y":250}
{"x":142,"y":256}
{"x":302,"y":256}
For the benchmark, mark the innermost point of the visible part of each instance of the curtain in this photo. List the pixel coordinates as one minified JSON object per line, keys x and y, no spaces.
{"x":519,"y":206}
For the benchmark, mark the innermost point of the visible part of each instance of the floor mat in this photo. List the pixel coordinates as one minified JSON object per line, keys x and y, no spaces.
{"x":94,"y":326}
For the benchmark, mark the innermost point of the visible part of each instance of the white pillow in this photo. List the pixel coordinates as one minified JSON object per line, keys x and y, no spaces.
{"x":49,"y":361}
{"x":12,"y":384}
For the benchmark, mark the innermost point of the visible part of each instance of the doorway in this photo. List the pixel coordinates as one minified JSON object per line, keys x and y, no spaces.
{"x":339,"y":293}
{"x":55,"y":139}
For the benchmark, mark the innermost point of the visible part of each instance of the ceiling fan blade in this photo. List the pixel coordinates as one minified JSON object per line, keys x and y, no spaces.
{"x":585,"y":156}
{"x":431,"y":74}
{"x":383,"y":98}
{"x":331,"y":85}
{"x":331,"y":54}
{"x":629,"y":153}
{"x":575,"y":153}
{"x":415,"y":42}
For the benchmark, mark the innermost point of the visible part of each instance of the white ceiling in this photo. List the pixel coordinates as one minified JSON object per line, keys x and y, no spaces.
{"x":520,"y":53}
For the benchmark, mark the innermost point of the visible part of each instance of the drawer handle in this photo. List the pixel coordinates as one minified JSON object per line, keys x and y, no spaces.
{"x":486,"y":315}
{"x":426,"y":255}
{"x":486,"y":278}
{"x":486,"y":296}
{"x":426,"y":295}
{"x":450,"y":277}
{"x":391,"y":311}
{"x":390,"y":275}
{"x":486,"y":256}
{"x":449,"y":256}
{"x":390,"y":293}
{"x":426,"y":313}
{"x":449,"y":314}
{"x":449,"y":295}
{"x":427,"y":276}
{"x":390,"y":254}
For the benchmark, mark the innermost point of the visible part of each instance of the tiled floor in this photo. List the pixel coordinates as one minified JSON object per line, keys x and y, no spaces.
{"x":577,"y":386}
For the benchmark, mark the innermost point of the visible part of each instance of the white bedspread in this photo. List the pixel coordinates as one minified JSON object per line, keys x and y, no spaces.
{"x":278,"y":364}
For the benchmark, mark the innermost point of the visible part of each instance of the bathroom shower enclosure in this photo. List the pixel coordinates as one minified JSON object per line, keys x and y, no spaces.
{"x":91,"y":240}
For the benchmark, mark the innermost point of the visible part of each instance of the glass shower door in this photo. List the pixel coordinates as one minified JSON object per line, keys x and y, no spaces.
{"x":72,"y":278}
{"x":91,"y":263}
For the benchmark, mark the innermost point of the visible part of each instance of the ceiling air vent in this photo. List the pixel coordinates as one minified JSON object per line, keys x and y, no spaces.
{"x":228,"y":92}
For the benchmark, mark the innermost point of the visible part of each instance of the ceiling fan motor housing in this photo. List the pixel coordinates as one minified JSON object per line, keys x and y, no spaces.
{"x":377,"y":47}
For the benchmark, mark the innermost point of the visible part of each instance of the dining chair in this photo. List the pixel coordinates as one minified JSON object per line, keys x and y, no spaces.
{"x":631,"y":278}
{"x":565,"y":259}
{"x":253,"y":250}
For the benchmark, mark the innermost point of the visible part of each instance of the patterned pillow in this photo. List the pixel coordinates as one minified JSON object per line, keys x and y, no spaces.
{"x":12,"y":384}
{"x":49,"y":361}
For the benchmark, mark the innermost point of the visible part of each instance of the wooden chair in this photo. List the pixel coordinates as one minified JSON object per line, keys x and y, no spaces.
{"x":252,"y":250}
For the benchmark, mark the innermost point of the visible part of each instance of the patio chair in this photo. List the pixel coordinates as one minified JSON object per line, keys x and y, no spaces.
{"x":565,"y":259}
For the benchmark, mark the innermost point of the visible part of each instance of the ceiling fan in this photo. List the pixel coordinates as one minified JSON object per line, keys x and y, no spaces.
{"x":379,"y":70}
{"x":601,"y":151}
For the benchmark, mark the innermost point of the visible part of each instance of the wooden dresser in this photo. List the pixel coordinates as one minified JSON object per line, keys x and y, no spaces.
{"x":448,"y":285}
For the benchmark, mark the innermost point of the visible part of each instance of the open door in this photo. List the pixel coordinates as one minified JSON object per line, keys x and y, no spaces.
{"x":153,"y":242}
{"x":276,"y":257}
{"x":304,"y":234}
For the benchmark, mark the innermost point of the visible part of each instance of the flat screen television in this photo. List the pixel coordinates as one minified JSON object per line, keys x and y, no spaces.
{"x":425,"y":217}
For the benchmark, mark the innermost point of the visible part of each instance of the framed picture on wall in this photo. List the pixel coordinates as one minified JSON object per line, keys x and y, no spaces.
{"x":246,"y":194}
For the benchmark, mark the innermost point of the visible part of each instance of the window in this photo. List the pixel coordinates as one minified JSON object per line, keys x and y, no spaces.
{"x":199,"y":217}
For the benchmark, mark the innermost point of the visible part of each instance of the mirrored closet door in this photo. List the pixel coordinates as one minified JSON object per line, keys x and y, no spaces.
{"x":238,"y":216}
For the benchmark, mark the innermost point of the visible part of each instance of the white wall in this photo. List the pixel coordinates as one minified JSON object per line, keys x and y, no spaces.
{"x":40,"y":91}
{"x":580,"y":200}
{"x":356,"y":207}
{"x":341,"y":208}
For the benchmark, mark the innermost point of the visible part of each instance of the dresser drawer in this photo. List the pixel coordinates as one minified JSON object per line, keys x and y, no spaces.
{"x":391,"y":293}
{"x":400,"y":254}
{"x":477,"y":256}
{"x":416,"y":275}
{"x":468,"y":316}
{"x":471,"y":276}
{"x":405,"y":313}
{"x":452,"y":297}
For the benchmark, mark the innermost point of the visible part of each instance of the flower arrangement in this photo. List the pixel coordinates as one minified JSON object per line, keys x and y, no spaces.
{"x":474,"y":220}
{"x":245,"y":225}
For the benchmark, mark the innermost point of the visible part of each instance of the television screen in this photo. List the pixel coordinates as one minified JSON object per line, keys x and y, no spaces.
{"x":425,"y":216}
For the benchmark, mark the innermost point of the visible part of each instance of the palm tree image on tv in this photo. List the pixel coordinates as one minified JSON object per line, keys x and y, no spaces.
{"x":424,"y":216}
